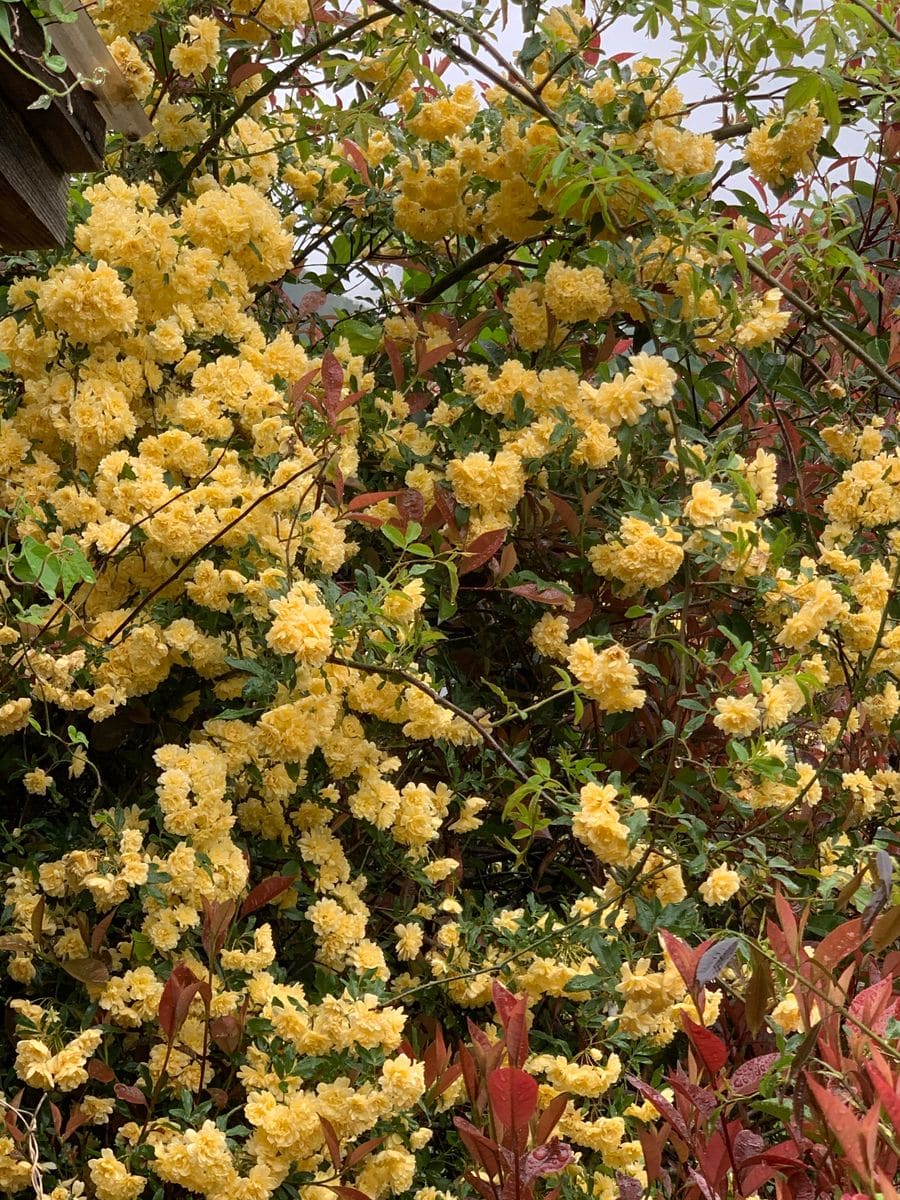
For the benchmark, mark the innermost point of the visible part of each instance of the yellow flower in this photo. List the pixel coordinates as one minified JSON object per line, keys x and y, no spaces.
{"x":720,"y":885}
{"x":607,"y":677}
{"x":301,"y":627}
{"x":737,"y":715}
{"x":777,"y":157}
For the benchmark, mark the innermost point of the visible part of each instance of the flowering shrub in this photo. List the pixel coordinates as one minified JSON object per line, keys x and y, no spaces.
{"x":500,"y":626}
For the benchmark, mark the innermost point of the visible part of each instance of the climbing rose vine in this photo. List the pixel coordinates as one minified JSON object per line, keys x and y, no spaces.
{"x":449,"y":643}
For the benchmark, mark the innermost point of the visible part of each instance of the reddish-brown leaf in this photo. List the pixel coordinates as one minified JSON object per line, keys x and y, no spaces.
{"x":835,"y":946}
{"x":513,"y":1095}
{"x":130,"y":1094}
{"x":410,"y":505}
{"x":331,"y":1141}
{"x":683,"y":957}
{"x":358,"y":1153}
{"x":77,"y":1118}
{"x":332,"y":382}
{"x":841,"y":1121}
{"x":88,"y":970}
{"x":430,"y":358}
{"x":746,"y":1078}
{"x":886,"y":928}
{"x":888,"y":1094}
{"x":541,"y":595}
{"x":661,"y":1104}
{"x":550,"y":1117}
{"x":357,"y":157}
{"x":100,"y":1071}
{"x":485,"y":1153}
{"x":98,"y":937}
{"x":480,"y":550}
{"x":366,"y":499}
{"x":217,"y":918}
{"x":226,"y":1032}
{"x":712,"y":1050}
{"x":265,"y":892}
{"x":175,"y":1001}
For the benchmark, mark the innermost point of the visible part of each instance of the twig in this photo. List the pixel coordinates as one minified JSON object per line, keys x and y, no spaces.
{"x":398,"y":673}
{"x":825,"y":323}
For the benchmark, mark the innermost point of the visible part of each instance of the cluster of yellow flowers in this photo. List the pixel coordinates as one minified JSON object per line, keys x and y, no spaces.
{"x":782,"y":147}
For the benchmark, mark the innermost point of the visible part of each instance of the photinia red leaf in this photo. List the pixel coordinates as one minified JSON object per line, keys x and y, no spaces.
{"x":549,"y":1118}
{"x":747,"y":1077}
{"x":513,"y":1095}
{"x":836,"y":945}
{"x":480,"y":550}
{"x":682,"y":956}
{"x":842,"y":1122}
{"x":265,"y":892}
{"x":541,"y":595}
{"x":131,"y":1095}
{"x":661,"y":1104}
{"x":357,"y":157}
{"x":332,"y":382}
{"x":712,"y":1050}
{"x":410,"y":505}
{"x":331,"y":1141}
{"x":484,"y":1152}
{"x":175,"y":1002}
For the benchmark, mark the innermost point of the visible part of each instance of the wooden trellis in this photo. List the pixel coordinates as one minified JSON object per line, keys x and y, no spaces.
{"x":40,"y":148}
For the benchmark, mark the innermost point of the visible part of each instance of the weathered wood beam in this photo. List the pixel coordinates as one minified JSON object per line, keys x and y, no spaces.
{"x":34,"y":191}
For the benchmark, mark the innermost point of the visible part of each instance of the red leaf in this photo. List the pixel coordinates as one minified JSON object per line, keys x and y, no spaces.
{"x":874,"y":1006}
{"x":712,"y":1050}
{"x":541,"y":595}
{"x":682,"y":956}
{"x":547,"y":1160}
{"x":513,"y":1095}
{"x":887,"y":1094}
{"x":226,"y":1033}
{"x":348,"y":1193}
{"x":747,"y":1077}
{"x":583,"y":610}
{"x":410,"y":505}
{"x":98,"y":937}
{"x":175,"y":1001}
{"x":432,"y":357}
{"x":358,"y":1153}
{"x":242,"y":71}
{"x":217,"y":918}
{"x":700,"y":1097}
{"x":131,"y":1095}
{"x":393,"y":352}
{"x":566,"y":514}
{"x":447,"y":1079}
{"x":549,"y":1118}
{"x":331,"y":1141}
{"x":479,"y":551}
{"x":100,"y":1071}
{"x":661,"y":1104}
{"x":836,"y":945}
{"x":470,"y":1076}
{"x":484,"y":1152}
{"x":841,"y":1121}
{"x":513,"y":1013}
{"x":357,"y":157}
{"x":265,"y":892}
{"x":332,"y":382}
{"x":366,"y":499}
{"x":504,"y":1001}
{"x":76,"y":1119}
